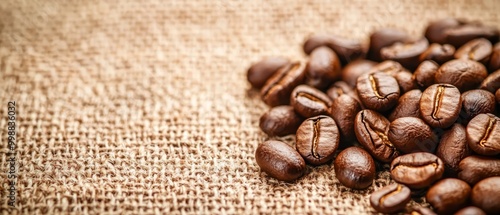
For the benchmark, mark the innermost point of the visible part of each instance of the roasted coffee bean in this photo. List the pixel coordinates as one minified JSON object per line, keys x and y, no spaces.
{"x":279,"y":160}
{"x":478,"y":50}
{"x":280,"y":121}
{"x":440,"y":105}
{"x":463,"y":74}
{"x":452,"y":148}
{"x":411,"y":134}
{"x":422,"y":211}
{"x":378,"y":91}
{"x":323,"y":68}
{"x":339,"y":88}
{"x":408,"y":105}
{"x":382,"y":38}
{"x":448,"y":195}
{"x":492,"y":82}
{"x":475,"y":102}
{"x":417,"y":170}
{"x":495,"y":58}
{"x":473,"y":169}
{"x":344,"y":110}
{"x":435,"y":31}
{"x":354,"y":168}
{"x":309,"y":101}
{"x":407,"y":54}
{"x":470,"y":210}
{"x":278,"y":88}
{"x":317,"y":139}
{"x":354,"y":69}
{"x":260,"y":72}
{"x":389,"y":67}
{"x":438,"y":53}
{"x":462,"y":34}
{"x":391,"y":198}
{"x":485,"y":195}
{"x":483,"y":134}
{"x":425,"y":73}
{"x":405,"y":81}
{"x":346,"y":49}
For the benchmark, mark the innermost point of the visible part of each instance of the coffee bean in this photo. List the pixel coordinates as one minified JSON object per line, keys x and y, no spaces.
{"x":422,"y":211}
{"x":391,"y":198}
{"x":389,"y":67}
{"x":473,"y":169}
{"x":354,"y":69}
{"x":417,"y":170}
{"x":485,"y":195}
{"x":344,"y":110}
{"x":323,"y":68}
{"x":382,"y":38}
{"x":462,"y":34}
{"x":470,"y":210}
{"x":346,"y":49}
{"x":378,"y":91}
{"x":424,"y":74}
{"x":407,"y":54}
{"x":435,"y":31}
{"x":440,"y":105}
{"x":438,"y":53}
{"x":477,"y":50}
{"x":279,"y":160}
{"x":280,"y":121}
{"x":278,"y":88}
{"x":371,"y":130}
{"x":483,"y":134}
{"x":309,"y":101}
{"x":411,"y":134}
{"x":492,"y":82}
{"x":260,"y":72}
{"x":354,"y":168}
{"x":475,"y":102}
{"x":463,"y":74}
{"x":452,"y":148}
{"x":408,"y":105}
{"x":339,"y":88}
{"x":405,"y":81}
{"x":495,"y":58}
{"x":317,"y":139}
{"x":448,"y":195}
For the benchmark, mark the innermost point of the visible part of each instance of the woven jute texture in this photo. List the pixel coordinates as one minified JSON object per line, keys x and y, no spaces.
{"x":142,"y":107}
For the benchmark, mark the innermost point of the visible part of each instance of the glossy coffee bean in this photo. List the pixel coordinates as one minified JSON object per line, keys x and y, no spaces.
{"x":435,"y":31}
{"x":407,"y":54}
{"x":422,"y":211}
{"x":280,"y":121}
{"x":470,"y":210}
{"x":278,"y":88}
{"x":405,"y":81}
{"x":260,"y":72}
{"x":346,"y":49}
{"x":354,"y":69}
{"x":389,"y":67}
{"x":323,"y":68}
{"x":354,"y":168}
{"x":495,"y":58}
{"x":309,"y":101}
{"x":440,"y":105}
{"x":475,"y":168}
{"x":478,"y":50}
{"x":339,"y":88}
{"x":439,"y":53}
{"x":492,"y":82}
{"x":408,"y":105}
{"x":382,"y":38}
{"x":475,"y":102}
{"x":344,"y":110}
{"x":317,"y":139}
{"x":371,"y":129}
{"x":411,"y":134}
{"x":483,"y":134}
{"x":378,"y":91}
{"x":417,"y":170}
{"x":391,"y":198}
{"x":448,"y":195}
{"x":279,"y":160}
{"x":425,"y":73}
{"x":463,"y":74}
{"x":453,"y":148}
{"x":462,"y":34}
{"x":485,"y":195}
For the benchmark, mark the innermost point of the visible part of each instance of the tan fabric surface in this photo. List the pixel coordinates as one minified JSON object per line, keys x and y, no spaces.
{"x":142,"y":107}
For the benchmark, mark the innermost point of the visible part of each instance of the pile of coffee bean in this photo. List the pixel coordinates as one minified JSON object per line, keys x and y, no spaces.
{"x":425,"y":105}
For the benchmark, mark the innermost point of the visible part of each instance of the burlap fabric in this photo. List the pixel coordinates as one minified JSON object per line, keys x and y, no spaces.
{"x":142,"y":107}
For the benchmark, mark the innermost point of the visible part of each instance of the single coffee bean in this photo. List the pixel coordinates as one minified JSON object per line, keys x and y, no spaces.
{"x":438,"y":53}
{"x":407,"y":54}
{"x":260,"y":72}
{"x":492,"y":82}
{"x":317,"y":139}
{"x":448,"y":195}
{"x":462,"y":34}
{"x":417,"y":170}
{"x":280,"y":121}
{"x":309,"y":101}
{"x":475,"y":102}
{"x":495,"y":58}
{"x":463,"y":74}
{"x":323,"y":68}
{"x":470,"y":210}
{"x":422,"y":211}
{"x":339,"y":88}
{"x":478,"y":50}
{"x":382,"y":38}
{"x":354,"y":168}
{"x":483,"y":134}
{"x":435,"y":31}
{"x":389,"y":67}
{"x":391,"y":198}
{"x":485,"y":195}
{"x":473,"y":169}
{"x":408,"y":105}
{"x":279,"y":160}
{"x":378,"y":91}
{"x":346,"y":49}
{"x":411,"y":134}
{"x":405,"y":81}
{"x":440,"y":105}
{"x":452,"y":148}
{"x":354,"y":69}
{"x":371,"y":130}
{"x":278,"y":88}
{"x":425,"y":73}
{"x":344,"y":110}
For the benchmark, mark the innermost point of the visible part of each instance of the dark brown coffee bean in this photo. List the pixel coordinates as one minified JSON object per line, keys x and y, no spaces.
{"x":279,"y":160}
{"x":473,"y":169}
{"x":371,"y":130}
{"x":462,"y":34}
{"x":463,"y":74}
{"x":485,"y":195}
{"x":344,"y":110}
{"x":309,"y":101}
{"x":378,"y":91}
{"x":452,"y":148}
{"x":280,"y":121}
{"x":425,"y":73}
{"x":382,"y":38}
{"x":278,"y":88}
{"x":478,"y":50}
{"x":317,"y":139}
{"x":411,"y":134}
{"x":475,"y":102}
{"x":448,"y":195}
{"x":346,"y":49}
{"x":323,"y":68}
{"x":438,"y":53}
{"x":389,"y":67}
{"x":354,"y":168}
{"x":495,"y":58}
{"x":422,"y":211}
{"x":440,"y":105}
{"x":339,"y":88}
{"x":483,"y":134}
{"x":354,"y":69}
{"x":407,"y":54}
{"x":435,"y":31}
{"x":405,"y":81}
{"x":492,"y":82}
{"x":470,"y":210}
{"x":408,"y":105}
{"x":391,"y":198}
{"x":261,"y":71}
{"x":417,"y":170}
